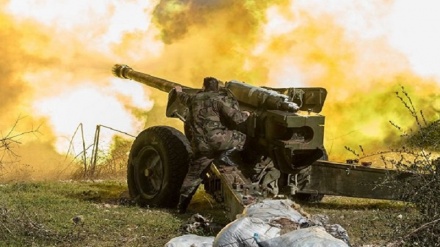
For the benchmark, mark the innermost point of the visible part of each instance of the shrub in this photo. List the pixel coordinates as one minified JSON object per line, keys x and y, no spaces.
{"x":417,"y":177}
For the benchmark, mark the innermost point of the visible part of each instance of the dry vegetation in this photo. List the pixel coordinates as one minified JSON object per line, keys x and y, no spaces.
{"x":417,"y":158}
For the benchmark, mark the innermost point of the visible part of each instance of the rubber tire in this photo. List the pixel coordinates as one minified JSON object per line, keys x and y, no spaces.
{"x":167,"y":150}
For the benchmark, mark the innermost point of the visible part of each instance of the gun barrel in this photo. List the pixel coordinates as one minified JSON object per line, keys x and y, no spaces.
{"x":126,"y":72}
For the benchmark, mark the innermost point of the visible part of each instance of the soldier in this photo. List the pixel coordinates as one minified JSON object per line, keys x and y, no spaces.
{"x":210,"y":112}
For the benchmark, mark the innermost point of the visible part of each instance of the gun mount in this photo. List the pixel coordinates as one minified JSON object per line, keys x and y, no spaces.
{"x":285,"y":135}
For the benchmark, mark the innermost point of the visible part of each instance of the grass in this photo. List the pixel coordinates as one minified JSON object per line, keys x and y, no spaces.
{"x":42,"y":213}
{"x":368,"y":221}
{"x":73,"y":213}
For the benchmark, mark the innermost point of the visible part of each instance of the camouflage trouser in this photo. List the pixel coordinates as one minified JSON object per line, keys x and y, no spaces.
{"x":206,"y":152}
{"x":220,"y":140}
{"x":193,"y":177}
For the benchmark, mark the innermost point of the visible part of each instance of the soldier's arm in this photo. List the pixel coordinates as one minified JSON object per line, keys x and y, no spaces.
{"x":232,"y":113}
{"x":183,"y":97}
{"x":227,"y":97}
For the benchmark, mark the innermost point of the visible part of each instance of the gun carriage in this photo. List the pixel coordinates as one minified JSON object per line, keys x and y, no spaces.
{"x":284,"y":155}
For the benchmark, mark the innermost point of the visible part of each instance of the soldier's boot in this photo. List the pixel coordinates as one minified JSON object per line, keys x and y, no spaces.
{"x":229,"y":157}
{"x":186,"y":193}
{"x":184,"y":201}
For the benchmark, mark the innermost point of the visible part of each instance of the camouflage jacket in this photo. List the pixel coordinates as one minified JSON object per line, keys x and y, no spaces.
{"x":210,"y":113}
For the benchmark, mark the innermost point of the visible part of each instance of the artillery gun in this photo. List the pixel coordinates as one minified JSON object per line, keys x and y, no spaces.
{"x":284,"y":155}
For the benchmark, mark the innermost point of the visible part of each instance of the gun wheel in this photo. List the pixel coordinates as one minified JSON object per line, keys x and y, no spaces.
{"x":157,"y":165}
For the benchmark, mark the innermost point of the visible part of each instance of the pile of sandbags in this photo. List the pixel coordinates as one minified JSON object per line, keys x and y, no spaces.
{"x":274,"y":223}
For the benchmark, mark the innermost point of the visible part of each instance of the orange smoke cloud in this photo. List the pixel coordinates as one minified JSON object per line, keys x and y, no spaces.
{"x":56,"y":63}
{"x":57,"y":75}
{"x":288,"y":43}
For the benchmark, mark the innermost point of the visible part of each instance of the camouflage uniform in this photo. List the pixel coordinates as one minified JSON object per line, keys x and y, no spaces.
{"x":210,"y":113}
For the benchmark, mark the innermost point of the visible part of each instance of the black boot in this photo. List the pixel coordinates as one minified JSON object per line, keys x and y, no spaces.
{"x":184,"y":201}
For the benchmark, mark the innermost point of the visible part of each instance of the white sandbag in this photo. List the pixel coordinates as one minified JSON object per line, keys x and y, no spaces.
{"x":315,"y":236}
{"x":241,"y":232}
{"x":190,"y":240}
{"x":268,"y":210}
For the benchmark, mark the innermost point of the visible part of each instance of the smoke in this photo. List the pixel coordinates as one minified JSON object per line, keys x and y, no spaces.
{"x":57,"y":56}
{"x":341,"y":46}
{"x":13,"y":87}
{"x":56,"y":75}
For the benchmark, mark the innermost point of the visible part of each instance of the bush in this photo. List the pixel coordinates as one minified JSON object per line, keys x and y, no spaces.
{"x":417,"y":178}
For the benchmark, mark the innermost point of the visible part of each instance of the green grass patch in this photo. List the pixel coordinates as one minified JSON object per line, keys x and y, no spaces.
{"x":80,"y":214}
{"x":73,"y":213}
{"x":367,"y":221}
